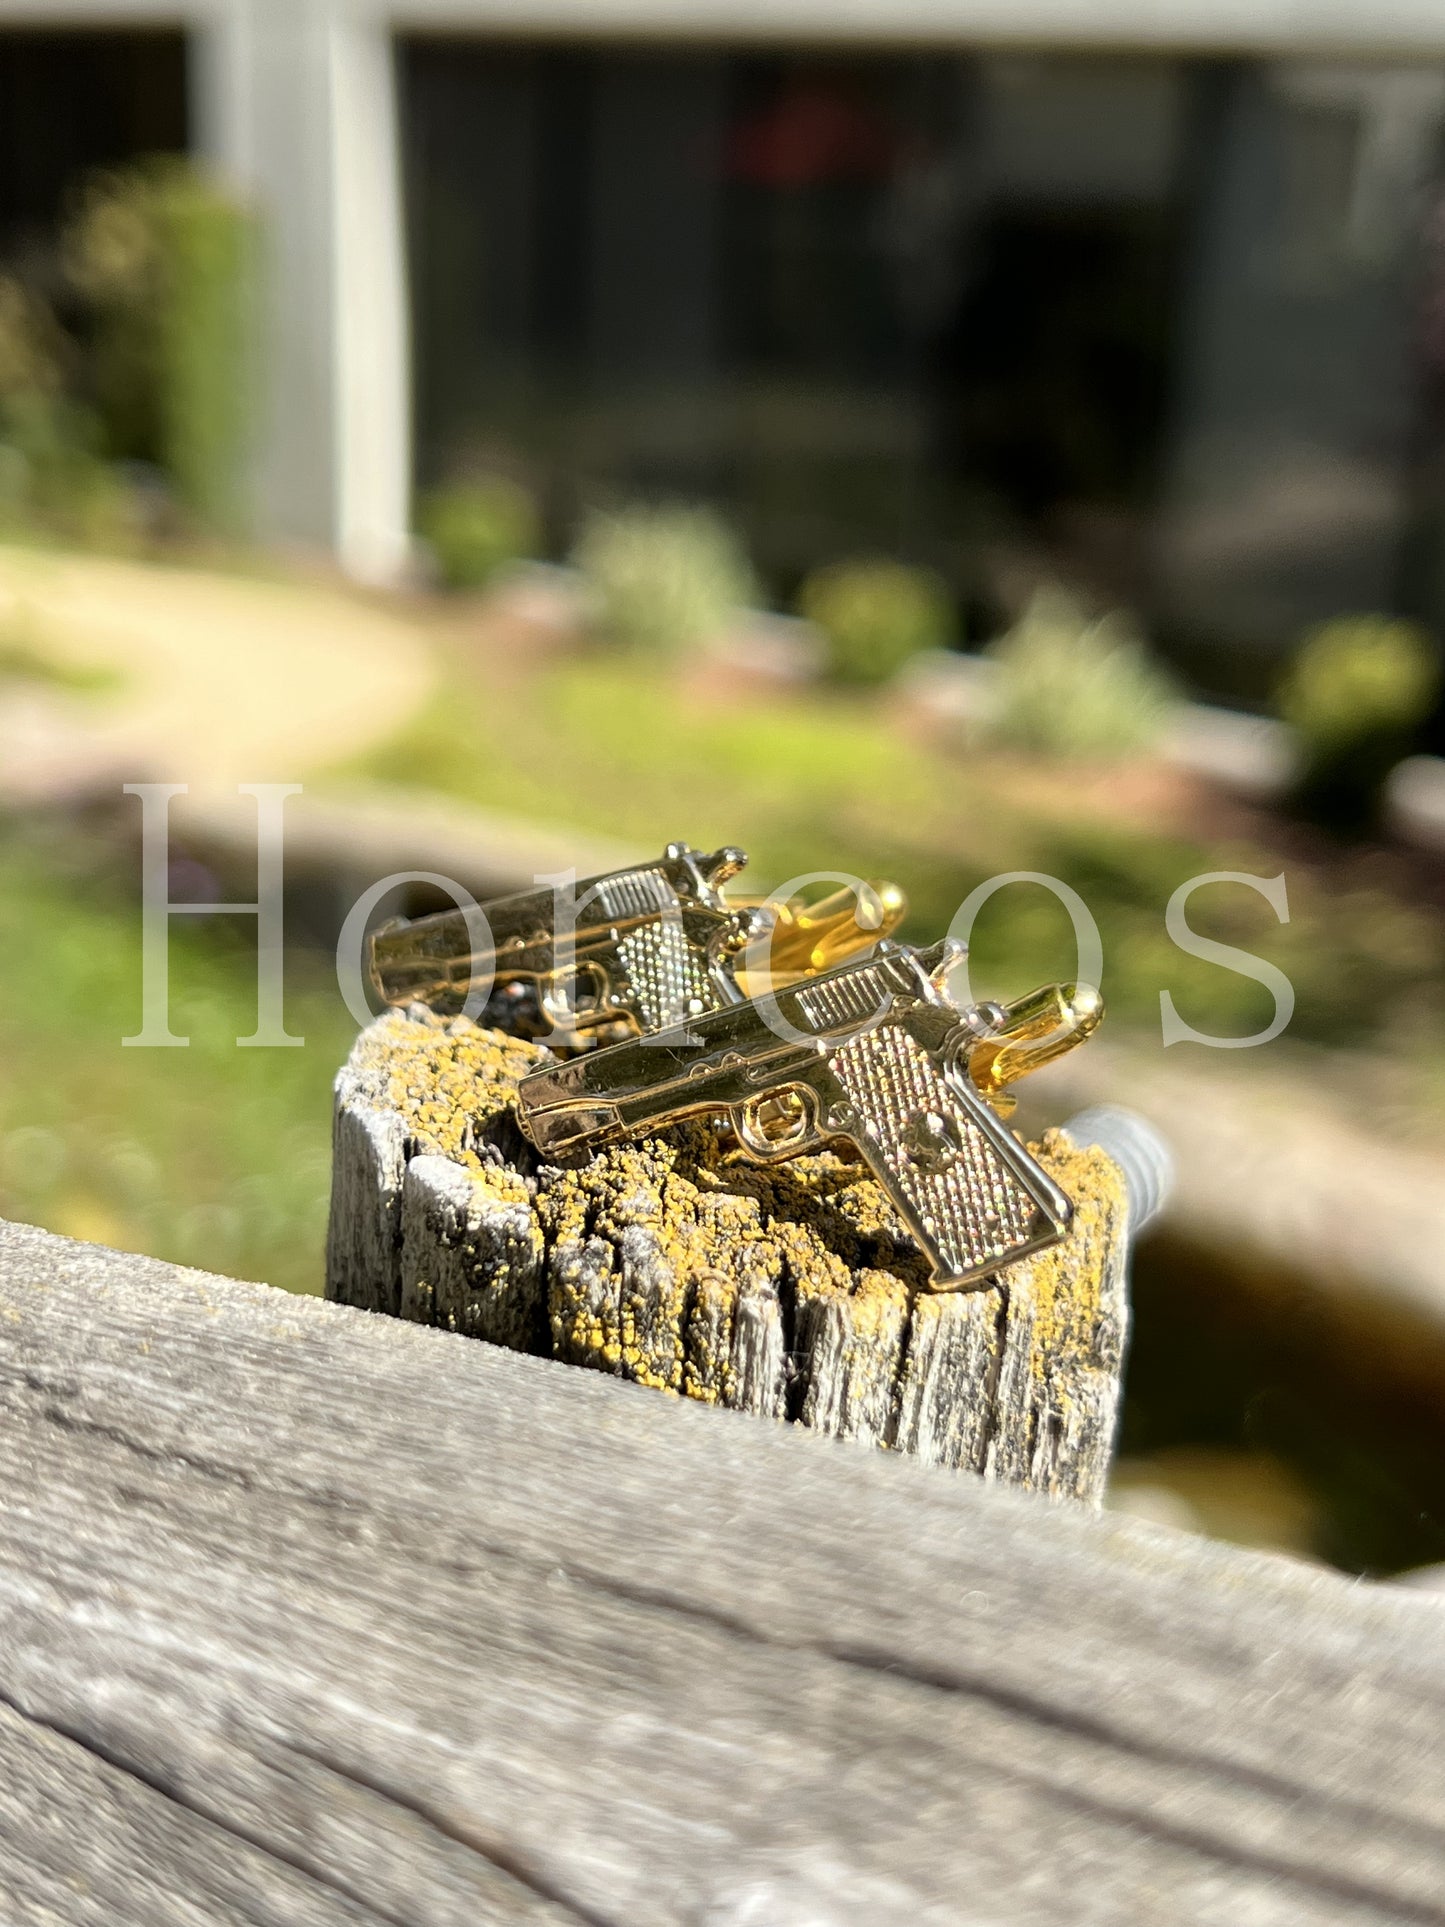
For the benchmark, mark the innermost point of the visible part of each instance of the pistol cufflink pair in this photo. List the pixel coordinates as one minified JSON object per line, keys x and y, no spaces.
{"x":766,"y":1018}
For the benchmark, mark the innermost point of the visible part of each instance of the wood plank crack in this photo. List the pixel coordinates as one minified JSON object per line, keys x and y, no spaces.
{"x":1383,"y":1903}
{"x":509,"y":1860}
{"x":1047,"y":1716}
{"x":112,"y":1757}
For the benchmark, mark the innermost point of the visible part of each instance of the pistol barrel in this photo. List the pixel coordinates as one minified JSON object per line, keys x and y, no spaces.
{"x":808,"y":938}
{"x":1034,"y":1030}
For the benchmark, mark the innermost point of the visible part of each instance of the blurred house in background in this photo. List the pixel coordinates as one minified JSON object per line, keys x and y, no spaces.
{"x":1150,"y":295}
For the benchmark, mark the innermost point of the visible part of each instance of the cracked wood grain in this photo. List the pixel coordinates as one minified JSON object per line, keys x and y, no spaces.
{"x":313,"y":1616}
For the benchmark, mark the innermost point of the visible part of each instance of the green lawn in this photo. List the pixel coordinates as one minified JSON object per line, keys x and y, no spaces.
{"x":827,"y":782}
{"x":218,"y":1156}
{"x":211,"y":1155}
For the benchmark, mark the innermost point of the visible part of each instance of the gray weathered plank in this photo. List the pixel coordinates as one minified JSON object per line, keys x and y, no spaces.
{"x":448,"y":1634}
{"x":146,"y":1856}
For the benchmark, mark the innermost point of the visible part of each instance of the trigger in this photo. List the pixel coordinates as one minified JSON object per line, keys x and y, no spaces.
{"x":776,"y":1122}
{"x":575,"y":996}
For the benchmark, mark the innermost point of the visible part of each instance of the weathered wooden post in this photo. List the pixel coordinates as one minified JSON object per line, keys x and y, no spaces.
{"x":791,"y":1292}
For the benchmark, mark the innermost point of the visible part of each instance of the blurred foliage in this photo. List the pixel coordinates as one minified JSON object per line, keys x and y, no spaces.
{"x":211,"y":1155}
{"x":165,"y":262}
{"x":31,"y":384}
{"x":30,"y":349}
{"x":1072,"y":685}
{"x":663,"y":580}
{"x":876,"y":614}
{"x":474,"y":527}
{"x":1356,"y":696}
{"x":1358,"y":675}
{"x":50,"y":466}
{"x":815,"y":784}
{"x":140,"y":365}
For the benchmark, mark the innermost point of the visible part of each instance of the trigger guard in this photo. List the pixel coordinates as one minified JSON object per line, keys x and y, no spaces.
{"x":767,"y":1150}
{"x":576,"y":995}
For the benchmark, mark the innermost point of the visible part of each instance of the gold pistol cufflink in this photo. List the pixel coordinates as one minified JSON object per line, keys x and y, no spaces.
{"x":625,"y":953}
{"x":875,"y":1052}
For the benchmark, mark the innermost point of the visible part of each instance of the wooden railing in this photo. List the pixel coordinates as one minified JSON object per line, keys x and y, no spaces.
{"x":313,"y":1616}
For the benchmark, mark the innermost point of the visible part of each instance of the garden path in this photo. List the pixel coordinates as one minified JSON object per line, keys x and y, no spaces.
{"x":219,"y":679}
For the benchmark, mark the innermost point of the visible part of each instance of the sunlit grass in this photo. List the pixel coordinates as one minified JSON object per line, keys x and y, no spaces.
{"x":218,"y":1156}
{"x":210,"y":1155}
{"x":825,"y":781}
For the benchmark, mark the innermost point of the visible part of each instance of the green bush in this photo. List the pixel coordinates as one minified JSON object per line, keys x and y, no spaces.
{"x":665,"y":579}
{"x":31,"y":351}
{"x":1356,"y":676}
{"x":41,"y":444}
{"x":1073,"y":686}
{"x":165,"y":262}
{"x":59,"y":485}
{"x":474,"y":527}
{"x":54,"y":482}
{"x":875,"y":615}
{"x":1356,"y":695}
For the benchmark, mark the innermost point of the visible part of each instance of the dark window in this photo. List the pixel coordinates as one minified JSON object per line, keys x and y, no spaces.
{"x":1147,"y":324}
{"x":851,"y":298}
{"x":71,"y":101}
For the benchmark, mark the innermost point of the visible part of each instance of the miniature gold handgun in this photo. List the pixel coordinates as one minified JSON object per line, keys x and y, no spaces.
{"x":875,"y":1052}
{"x":624,"y":953}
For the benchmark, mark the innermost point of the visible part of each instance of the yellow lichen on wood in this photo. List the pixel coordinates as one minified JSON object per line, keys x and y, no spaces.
{"x":790,"y":1289}
{"x":451,"y":1083}
{"x":1067,"y":1281}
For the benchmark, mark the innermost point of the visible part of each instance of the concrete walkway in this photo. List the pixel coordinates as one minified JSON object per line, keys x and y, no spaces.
{"x":222,"y":679}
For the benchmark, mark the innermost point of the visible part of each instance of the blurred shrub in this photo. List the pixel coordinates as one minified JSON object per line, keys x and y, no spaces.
{"x":30,"y":352}
{"x":1358,"y":691}
{"x":31,"y":398}
{"x":875,"y":615}
{"x":1070,"y":685}
{"x":474,"y":527}
{"x":52,"y":475}
{"x":663,"y":579}
{"x":165,"y":262}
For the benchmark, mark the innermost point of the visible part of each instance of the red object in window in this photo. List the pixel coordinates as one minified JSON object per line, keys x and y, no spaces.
{"x":812,"y":135}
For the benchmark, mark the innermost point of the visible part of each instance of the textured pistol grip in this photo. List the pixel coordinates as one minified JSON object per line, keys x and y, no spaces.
{"x":666,"y":974}
{"x":969,"y":1192}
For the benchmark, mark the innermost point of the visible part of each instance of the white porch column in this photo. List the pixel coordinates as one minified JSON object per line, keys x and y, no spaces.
{"x":295,"y":103}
